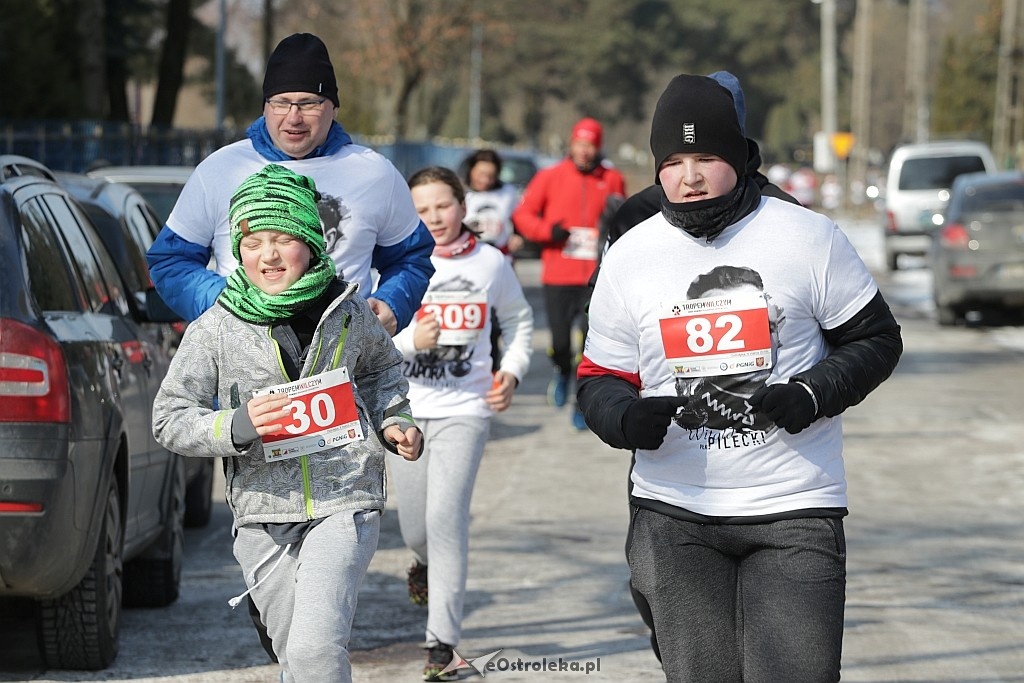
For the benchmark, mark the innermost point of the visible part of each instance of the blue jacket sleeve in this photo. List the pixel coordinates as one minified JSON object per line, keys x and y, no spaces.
{"x":405,"y":271}
{"x":178,"y":269}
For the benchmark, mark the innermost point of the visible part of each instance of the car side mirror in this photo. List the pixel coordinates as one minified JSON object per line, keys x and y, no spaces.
{"x":157,"y":310}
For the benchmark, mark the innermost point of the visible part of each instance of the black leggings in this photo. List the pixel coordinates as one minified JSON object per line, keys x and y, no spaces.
{"x":564,"y":304}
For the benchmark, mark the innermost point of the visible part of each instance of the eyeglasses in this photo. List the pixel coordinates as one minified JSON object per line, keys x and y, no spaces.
{"x":304,"y":107}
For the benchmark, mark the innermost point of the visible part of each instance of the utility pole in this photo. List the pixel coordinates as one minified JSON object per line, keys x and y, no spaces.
{"x":1008,"y":124}
{"x":475,"y":62}
{"x":915,"y":110}
{"x":268,"y":29}
{"x":219,"y":63}
{"x":860,"y":111}
{"x":824,"y":158}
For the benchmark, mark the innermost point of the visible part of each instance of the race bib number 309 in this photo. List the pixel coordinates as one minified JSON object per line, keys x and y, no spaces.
{"x":462,"y":315}
{"x":725,"y":335}
{"x":323,"y":415}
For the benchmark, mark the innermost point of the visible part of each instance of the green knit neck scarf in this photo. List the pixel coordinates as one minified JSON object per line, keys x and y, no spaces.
{"x":250,"y":303}
{"x":276,"y":198}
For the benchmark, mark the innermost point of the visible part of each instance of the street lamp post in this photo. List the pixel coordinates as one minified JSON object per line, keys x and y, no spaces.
{"x":824,"y":158}
{"x":476,"y":60}
{"x":219,"y":63}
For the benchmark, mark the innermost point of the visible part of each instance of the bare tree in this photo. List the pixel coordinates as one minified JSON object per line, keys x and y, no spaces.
{"x":170,"y":73}
{"x":405,"y":41}
{"x":92,"y":56}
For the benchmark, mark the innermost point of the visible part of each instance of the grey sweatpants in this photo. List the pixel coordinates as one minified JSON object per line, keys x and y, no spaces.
{"x":309,"y":599}
{"x":433,"y":496}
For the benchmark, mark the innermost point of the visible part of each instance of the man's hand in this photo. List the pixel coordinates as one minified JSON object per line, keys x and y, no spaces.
{"x":645,"y":422}
{"x":409,"y":442}
{"x":427,"y":332}
{"x":790,"y":406}
{"x":559,"y":233}
{"x":384,"y":314}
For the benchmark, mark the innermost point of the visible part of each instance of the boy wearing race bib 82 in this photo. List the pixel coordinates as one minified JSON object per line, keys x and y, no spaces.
{"x":725,"y":362}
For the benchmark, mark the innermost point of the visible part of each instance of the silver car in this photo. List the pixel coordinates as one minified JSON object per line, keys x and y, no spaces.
{"x":917,"y":191}
{"x":160,"y":185}
{"x":977,"y":257}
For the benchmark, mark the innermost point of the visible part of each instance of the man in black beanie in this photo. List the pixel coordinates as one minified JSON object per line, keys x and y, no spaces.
{"x":725,"y":363}
{"x":367,"y":211}
{"x":364,"y":203}
{"x":300,"y":64}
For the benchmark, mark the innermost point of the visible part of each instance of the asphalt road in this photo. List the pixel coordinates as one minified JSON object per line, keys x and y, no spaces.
{"x":935,"y":461}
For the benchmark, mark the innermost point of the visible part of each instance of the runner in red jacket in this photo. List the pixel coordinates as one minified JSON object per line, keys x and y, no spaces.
{"x":560,"y":211}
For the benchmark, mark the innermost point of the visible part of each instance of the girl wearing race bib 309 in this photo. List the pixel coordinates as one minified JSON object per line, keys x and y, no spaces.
{"x":306,"y":519}
{"x":453,"y":392}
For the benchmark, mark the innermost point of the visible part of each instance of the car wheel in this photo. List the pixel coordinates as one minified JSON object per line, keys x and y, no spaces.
{"x":946,"y":315}
{"x":153,"y":580}
{"x":199,"y":497}
{"x":80,"y":629}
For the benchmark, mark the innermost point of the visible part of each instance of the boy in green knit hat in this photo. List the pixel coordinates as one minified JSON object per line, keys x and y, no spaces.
{"x":295,"y":382}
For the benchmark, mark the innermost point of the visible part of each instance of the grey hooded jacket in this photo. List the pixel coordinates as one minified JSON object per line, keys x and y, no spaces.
{"x":224,"y":359}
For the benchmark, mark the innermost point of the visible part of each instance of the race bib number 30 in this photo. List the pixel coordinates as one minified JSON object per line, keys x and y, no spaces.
{"x":725,"y":335}
{"x":323,"y":415}
{"x":462,"y":315}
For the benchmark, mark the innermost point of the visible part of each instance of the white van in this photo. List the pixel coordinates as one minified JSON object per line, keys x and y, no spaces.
{"x":917,"y":190}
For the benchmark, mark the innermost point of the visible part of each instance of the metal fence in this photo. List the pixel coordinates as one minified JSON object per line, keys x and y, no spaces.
{"x":76,"y":145}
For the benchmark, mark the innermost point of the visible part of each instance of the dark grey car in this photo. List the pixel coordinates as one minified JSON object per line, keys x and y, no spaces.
{"x":977,"y":257}
{"x":91,"y":507}
{"x":128,"y":225}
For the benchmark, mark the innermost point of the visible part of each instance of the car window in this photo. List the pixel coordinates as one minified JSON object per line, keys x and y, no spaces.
{"x":118,"y":246}
{"x":934,"y":173}
{"x":104,"y":296}
{"x":517,"y":171}
{"x":139,"y":232}
{"x":111,"y":276}
{"x":996,"y":198}
{"x":52,"y":284}
{"x":161,"y":196}
{"x":142,"y":224}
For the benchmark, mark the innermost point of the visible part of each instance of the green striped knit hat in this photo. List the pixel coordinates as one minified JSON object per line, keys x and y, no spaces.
{"x":276,"y":198}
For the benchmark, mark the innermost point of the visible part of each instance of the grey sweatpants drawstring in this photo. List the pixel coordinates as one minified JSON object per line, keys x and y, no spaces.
{"x":252,"y":576}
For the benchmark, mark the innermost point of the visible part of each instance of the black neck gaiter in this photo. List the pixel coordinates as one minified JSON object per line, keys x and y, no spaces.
{"x":707,"y":218}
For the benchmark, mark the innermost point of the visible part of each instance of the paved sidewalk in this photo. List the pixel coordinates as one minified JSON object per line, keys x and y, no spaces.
{"x":935,"y":465}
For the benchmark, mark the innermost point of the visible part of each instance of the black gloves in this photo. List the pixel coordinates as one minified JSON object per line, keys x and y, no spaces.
{"x":646,"y":420}
{"x":558,"y":233}
{"x":790,"y":406}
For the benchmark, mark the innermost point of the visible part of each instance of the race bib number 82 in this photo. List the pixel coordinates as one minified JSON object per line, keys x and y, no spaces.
{"x":725,"y":335}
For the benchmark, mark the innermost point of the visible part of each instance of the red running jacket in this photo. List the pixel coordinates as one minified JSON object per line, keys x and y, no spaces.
{"x":563,"y":194}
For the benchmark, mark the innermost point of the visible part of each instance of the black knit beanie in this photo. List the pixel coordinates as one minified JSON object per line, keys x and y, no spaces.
{"x":696,"y":114}
{"x":300,"y":63}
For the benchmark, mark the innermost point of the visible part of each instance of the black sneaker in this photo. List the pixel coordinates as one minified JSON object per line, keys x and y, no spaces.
{"x":417,"y":581}
{"x":439,"y":658}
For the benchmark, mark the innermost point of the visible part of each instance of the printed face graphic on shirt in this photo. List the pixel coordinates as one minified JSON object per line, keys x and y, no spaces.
{"x":488,"y":222}
{"x":722,"y":401}
{"x":334,"y":214}
{"x":443,"y":364}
